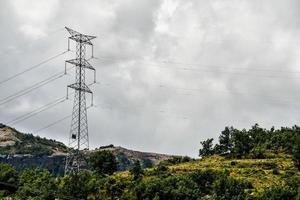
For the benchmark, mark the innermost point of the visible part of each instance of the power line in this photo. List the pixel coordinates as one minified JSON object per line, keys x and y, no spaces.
{"x":273,"y":98}
{"x":52,"y":124}
{"x":208,"y":68}
{"x":56,"y":122}
{"x":41,"y":109}
{"x":32,"y":67}
{"x":32,"y":87}
{"x":37,"y":111}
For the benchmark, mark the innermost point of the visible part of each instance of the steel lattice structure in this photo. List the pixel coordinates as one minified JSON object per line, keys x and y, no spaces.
{"x":79,"y":137}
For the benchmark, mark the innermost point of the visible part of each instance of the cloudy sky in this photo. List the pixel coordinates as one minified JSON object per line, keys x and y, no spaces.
{"x":170,"y":72}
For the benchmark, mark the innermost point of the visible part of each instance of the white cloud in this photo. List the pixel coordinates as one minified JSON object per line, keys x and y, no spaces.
{"x":34,"y":15}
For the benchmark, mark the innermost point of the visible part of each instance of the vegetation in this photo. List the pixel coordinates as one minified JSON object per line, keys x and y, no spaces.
{"x":253,"y":143}
{"x":103,"y":162}
{"x":136,"y":170}
{"x":30,"y":144}
{"x":244,"y":164}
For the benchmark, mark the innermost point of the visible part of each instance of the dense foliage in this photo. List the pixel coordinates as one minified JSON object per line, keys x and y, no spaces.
{"x":254,"y":142}
{"x":103,"y":162}
{"x":244,"y":164}
{"x":39,"y":184}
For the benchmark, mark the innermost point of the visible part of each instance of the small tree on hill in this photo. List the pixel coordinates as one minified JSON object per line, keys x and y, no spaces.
{"x":225,"y":140}
{"x":207,"y":147}
{"x":136,"y":170}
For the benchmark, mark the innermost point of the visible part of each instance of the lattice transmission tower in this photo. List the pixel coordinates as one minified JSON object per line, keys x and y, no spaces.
{"x":79,"y":137}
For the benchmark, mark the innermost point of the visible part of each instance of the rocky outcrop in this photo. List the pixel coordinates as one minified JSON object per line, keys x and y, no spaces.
{"x":7,"y":136}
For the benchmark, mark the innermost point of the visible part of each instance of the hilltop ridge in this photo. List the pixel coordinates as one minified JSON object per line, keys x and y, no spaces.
{"x":26,"y":150}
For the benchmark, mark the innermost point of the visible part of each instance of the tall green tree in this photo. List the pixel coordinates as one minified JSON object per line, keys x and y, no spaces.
{"x":103,"y":162}
{"x":136,"y":170}
{"x":225,"y":140}
{"x":241,"y":142}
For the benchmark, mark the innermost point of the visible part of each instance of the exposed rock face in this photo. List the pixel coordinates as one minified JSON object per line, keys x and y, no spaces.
{"x":7,"y":137}
{"x":55,"y":164}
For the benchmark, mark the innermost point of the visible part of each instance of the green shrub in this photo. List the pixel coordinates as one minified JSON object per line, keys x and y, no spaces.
{"x":279,"y":193}
{"x":37,"y":184}
{"x":229,"y":188}
{"x":275,"y":172}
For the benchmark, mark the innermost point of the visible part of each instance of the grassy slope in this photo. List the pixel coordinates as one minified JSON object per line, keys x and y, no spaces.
{"x":260,"y":172}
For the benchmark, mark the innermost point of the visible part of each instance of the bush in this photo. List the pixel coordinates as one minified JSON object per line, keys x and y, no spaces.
{"x":205,"y":180}
{"x":183,"y":188}
{"x":233,"y":163}
{"x":229,"y":188}
{"x":275,"y":171}
{"x":279,"y":193}
{"x":161,"y":168}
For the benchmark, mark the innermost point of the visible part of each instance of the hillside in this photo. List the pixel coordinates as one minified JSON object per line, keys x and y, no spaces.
{"x":25,"y":150}
{"x":262,"y":174}
{"x":251,"y":177}
{"x":126,"y":157}
{"x":14,"y":142}
{"x":244,"y":164}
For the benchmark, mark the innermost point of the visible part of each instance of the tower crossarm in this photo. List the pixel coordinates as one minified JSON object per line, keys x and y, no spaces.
{"x":79,"y":37}
{"x":81,"y":62}
{"x":80,"y":87}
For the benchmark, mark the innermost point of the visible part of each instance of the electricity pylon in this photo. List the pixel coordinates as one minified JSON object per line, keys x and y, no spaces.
{"x":79,"y":137}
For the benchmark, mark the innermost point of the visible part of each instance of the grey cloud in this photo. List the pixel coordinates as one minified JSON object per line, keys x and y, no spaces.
{"x":240,"y":52}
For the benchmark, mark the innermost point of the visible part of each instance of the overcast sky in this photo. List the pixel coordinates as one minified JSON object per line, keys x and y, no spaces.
{"x":170,"y":72}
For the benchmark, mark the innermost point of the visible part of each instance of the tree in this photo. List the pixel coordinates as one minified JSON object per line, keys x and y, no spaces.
{"x":116,"y":187}
{"x":241,"y":142}
{"x":207,"y":147}
{"x":77,"y":186}
{"x":225,"y":140}
{"x":136,"y":170}
{"x":296,"y":152}
{"x":103,"y":162}
{"x":8,"y":174}
{"x":9,"y":177}
{"x":37,"y":184}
